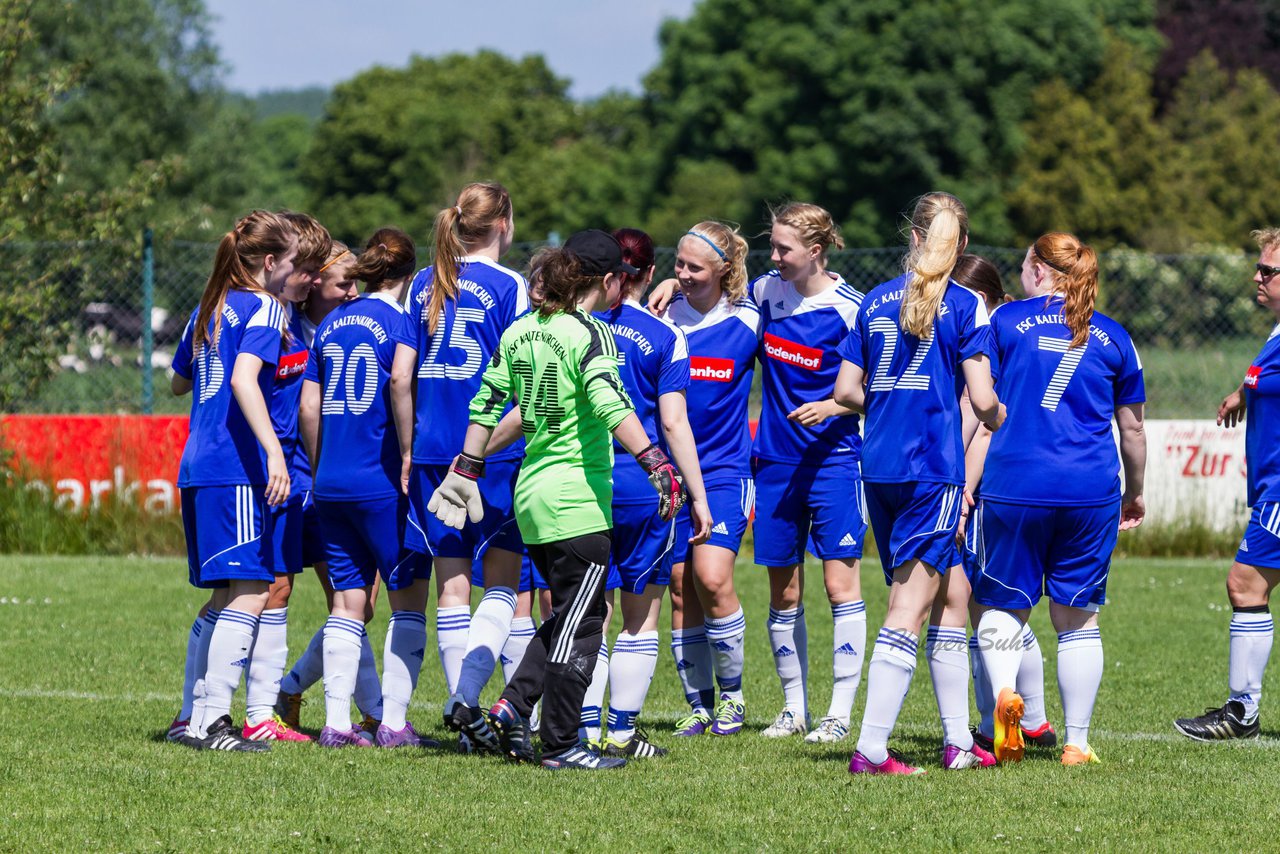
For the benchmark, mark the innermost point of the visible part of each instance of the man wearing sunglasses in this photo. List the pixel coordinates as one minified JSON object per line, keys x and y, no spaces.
{"x":1257,"y":565}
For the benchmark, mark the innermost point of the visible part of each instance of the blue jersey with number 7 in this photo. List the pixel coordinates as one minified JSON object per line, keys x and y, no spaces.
{"x":1057,"y":448}
{"x":452,"y":358}
{"x":351,"y":358}
{"x":913,"y":431}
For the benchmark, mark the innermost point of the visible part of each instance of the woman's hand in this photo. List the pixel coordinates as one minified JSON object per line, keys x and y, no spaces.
{"x":700,"y":515}
{"x":1231,"y":410}
{"x":277,"y":491}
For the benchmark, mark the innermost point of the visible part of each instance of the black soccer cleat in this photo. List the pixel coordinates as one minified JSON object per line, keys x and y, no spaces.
{"x":1041,"y":736}
{"x":637,"y":747}
{"x":223,"y":735}
{"x":579,"y":758}
{"x":986,"y":742}
{"x":513,"y":734}
{"x":471,"y":722}
{"x":1218,"y":724}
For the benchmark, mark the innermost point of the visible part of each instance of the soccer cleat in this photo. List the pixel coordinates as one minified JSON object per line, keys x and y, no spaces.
{"x":785,"y":724}
{"x":222,"y":735}
{"x":1041,"y":736}
{"x":289,"y":708}
{"x":860,"y":764}
{"x":955,"y":758}
{"x":513,"y":732}
{"x":472,"y":722}
{"x":1219,"y":724}
{"x":637,"y":747}
{"x":580,"y":758}
{"x":1009,"y":746}
{"x":406,"y":736}
{"x":273,"y":729}
{"x":693,"y":724}
{"x":177,"y":731}
{"x":464,"y":744}
{"x":354,"y":737}
{"x":729,"y":717}
{"x":829,"y":729}
{"x":981,"y":739}
{"x":1072,"y":755}
{"x":370,"y":725}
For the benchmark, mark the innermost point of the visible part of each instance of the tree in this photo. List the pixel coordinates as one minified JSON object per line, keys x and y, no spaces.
{"x":1241,"y":33}
{"x":859,"y":105}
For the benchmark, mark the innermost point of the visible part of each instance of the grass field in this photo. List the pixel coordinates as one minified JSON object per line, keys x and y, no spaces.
{"x":91,"y":662}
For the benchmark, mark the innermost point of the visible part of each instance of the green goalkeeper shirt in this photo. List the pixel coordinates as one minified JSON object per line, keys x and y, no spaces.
{"x":562,"y":372}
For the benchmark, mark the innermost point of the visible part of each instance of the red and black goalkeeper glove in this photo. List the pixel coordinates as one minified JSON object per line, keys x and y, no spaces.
{"x":665,"y":478}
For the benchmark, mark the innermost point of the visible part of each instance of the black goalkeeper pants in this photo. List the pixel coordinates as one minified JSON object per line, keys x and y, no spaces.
{"x":558,"y":664}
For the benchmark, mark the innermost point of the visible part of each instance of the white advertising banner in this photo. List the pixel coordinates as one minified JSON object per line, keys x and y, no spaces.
{"x":1196,"y":473}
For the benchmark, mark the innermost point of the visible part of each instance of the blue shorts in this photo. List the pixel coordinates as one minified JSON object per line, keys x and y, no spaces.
{"x":1260,"y":545}
{"x":969,"y":557}
{"x":286,"y":535}
{"x":527,"y":573}
{"x":799,"y":505}
{"x":731,"y":503}
{"x":312,"y":542}
{"x":228,"y":535}
{"x":643,"y":546}
{"x":1026,"y":551}
{"x":915,"y":521}
{"x":363,"y":538}
{"x":425,"y":533}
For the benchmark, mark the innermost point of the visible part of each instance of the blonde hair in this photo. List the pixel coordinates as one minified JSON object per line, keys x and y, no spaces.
{"x":815,"y":225}
{"x":730,"y":249}
{"x":480,"y":208}
{"x":1074,"y":267}
{"x":941,"y":224}
{"x":1267,"y":238}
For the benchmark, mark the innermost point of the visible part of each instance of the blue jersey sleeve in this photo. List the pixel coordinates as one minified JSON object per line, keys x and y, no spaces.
{"x":674,"y":374}
{"x":263,"y":331}
{"x":1129,"y":386}
{"x":975,"y":331}
{"x":313,"y":363}
{"x":851,"y":347}
{"x":182,"y":356}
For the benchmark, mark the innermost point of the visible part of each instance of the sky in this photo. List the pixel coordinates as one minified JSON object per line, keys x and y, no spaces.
{"x":287,"y":44}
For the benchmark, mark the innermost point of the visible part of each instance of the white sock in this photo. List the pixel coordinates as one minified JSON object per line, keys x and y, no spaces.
{"x":308,"y":669}
{"x":631,"y":667}
{"x":1000,"y":639}
{"x":589,"y":722}
{"x":1251,"y":636}
{"x":490,"y":625}
{"x":228,"y":654}
{"x":1031,"y":681}
{"x":725,"y":638}
{"x":850,"y":647}
{"x":267,"y":661}
{"x":784,"y":638}
{"x":948,"y":654}
{"x":189,"y":672}
{"x":401,"y":664}
{"x":982,"y":696}
{"x":341,"y":661}
{"x":522,"y":631}
{"x":802,"y":649}
{"x":368,"y":693}
{"x":452,"y":627}
{"x":1079,"y":675}
{"x":692,"y":655}
{"x":196,"y":719}
{"x":893,"y":663}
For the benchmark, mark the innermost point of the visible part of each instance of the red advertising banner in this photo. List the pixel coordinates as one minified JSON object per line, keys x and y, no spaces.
{"x":79,"y":460}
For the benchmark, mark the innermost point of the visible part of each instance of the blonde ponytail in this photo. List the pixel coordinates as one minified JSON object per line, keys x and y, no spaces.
{"x":941,"y":226}
{"x":730,"y":249}
{"x":480,"y":208}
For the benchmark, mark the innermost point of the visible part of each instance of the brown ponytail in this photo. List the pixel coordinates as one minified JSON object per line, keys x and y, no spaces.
{"x":480,"y":208}
{"x":563,"y":281}
{"x":388,"y":255}
{"x":1074,"y":267}
{"x":239,"y":258}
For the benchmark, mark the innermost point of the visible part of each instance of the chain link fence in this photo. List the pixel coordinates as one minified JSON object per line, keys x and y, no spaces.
{"x":1193,"y":316}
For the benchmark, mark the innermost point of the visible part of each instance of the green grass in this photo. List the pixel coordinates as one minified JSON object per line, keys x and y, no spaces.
{"x":1190,"y":383}
{"x":92,"y":651}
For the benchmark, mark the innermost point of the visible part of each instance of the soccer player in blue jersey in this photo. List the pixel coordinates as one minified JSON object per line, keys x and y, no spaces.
{"x":1256,"y":569}
{"x":233,"y":468}
{"x":1065,"y":371}
{"x":357,"y":492}
{"x":653,"y":363}
{"x":722,"y":327}
{"x":270,"y":651}
{"x":458,"y":309}
{"x":917,"y":337}
{"x":807,"y":450}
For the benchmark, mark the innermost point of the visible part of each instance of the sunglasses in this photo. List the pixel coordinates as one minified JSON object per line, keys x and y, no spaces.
{"x":1267,"y":272}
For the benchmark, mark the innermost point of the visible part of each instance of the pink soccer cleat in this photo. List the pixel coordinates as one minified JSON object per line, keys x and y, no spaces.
{"x":860,"y":764}
{"x":273,"y":729}
{"x":955,"y":758}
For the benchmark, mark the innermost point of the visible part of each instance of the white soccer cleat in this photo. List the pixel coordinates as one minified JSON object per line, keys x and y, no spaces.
{"x":787,"y":723}
{"x":829,"y":729}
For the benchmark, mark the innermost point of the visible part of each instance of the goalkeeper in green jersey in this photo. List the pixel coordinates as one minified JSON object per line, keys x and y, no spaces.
{"x":560,"y":366}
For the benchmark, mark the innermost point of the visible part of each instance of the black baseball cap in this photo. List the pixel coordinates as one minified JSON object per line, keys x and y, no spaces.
{"x":599,"y":253}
